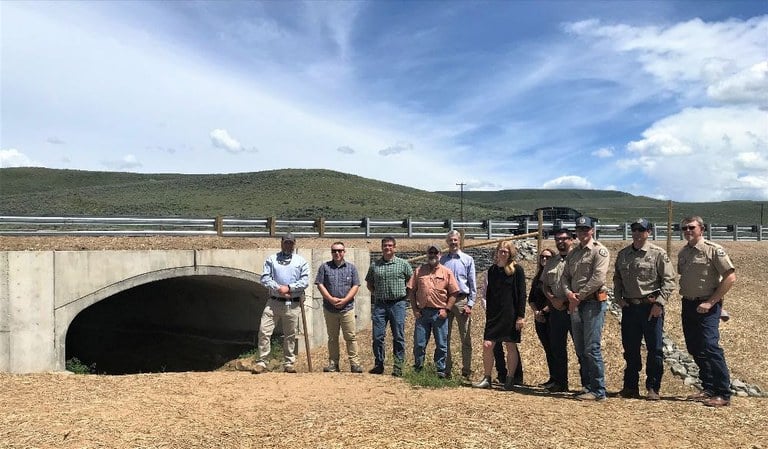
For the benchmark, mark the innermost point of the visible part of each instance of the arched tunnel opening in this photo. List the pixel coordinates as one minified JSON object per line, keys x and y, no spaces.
{"x":191,"y":323}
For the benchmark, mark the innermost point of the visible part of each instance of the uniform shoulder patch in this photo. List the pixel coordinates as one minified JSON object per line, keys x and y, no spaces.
{"x":603,"y":252}
{"x":720,"y":252}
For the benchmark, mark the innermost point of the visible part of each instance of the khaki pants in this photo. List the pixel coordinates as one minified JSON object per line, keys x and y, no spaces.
{"x":346,"y":323}
{"x":278,"y":312}
{"x":463,"y":322}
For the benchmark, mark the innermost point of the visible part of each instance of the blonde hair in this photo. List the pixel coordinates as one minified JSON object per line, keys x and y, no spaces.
{"x":509,"y":267}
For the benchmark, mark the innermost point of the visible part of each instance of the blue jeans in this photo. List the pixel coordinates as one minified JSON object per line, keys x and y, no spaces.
{"x":392,"y":312}
{"x":587,"y":327}
{"x":430,"y":322}
{"x":702,"y":338}
{"x":635,"y":326}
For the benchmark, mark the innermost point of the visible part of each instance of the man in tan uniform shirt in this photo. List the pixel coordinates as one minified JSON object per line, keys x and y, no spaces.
{"x":643,"y":280}
{"x":583,"y":281}
{"x":706,"y":275}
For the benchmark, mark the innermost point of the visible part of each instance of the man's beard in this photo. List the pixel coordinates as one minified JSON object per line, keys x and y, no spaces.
{"x":433,"y":261}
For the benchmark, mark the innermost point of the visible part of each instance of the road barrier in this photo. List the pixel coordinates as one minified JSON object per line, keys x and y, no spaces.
{"x":321,"y":227}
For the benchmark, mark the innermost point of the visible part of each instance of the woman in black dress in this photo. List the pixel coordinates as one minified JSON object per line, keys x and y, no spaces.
{"x":504,"y":311}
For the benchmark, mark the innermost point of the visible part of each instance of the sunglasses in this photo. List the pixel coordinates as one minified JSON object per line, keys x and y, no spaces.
{"x":688,"y":228}
{"x":544,"y":257}
{"x":337,"y":250}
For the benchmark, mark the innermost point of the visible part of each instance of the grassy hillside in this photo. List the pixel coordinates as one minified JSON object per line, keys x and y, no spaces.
{"x":616,"y":207}
{"x":302,"y":194}
{"x":283,"y":193}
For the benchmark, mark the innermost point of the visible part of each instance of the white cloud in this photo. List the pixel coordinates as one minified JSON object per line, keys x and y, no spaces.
{"x":396,"y":148}
{"x":14,"y":158}
{"x":747,"y":86}
{"x":568,"y":182}
{"x":220,"y":138}
{"x":345,"y":150}
{"x":659,"y":141}
{"x":127,"y":162}
{"x":705,"y":154}
{"x":686,"y":52}
{"x":604,"y":152}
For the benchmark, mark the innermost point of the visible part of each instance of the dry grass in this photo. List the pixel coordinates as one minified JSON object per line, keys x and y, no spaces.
{"x":234,"y":409}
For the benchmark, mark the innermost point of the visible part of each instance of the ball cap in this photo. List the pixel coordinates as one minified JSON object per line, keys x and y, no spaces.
{"x":641,"y":223}
{"x":584,"y":222}
{"x":434,"y":246}
{"x":288,"y":238}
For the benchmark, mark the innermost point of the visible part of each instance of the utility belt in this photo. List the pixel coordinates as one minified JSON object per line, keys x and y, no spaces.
{"x":600,"y":295}
{"x":695,"y":298}
{"x":281,"y":299}
{"x":638,"y":301}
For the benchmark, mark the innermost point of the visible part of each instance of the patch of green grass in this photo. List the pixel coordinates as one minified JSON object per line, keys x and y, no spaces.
{"x":74,"y":365}
{"x":427,"y":377}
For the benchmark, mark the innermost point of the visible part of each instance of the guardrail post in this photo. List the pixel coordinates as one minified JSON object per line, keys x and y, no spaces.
{"x":367,"y":225}
{"x":218,"y":225}
{"x":320,"y":225}
{"x":407,"y":224}
{"x":735,"y":232}
{"x":449,"y":224}
{"x":760,"y":233}
{"x":626,"y":236}
{"x":272,"y":224}
{"x":490,"y":229}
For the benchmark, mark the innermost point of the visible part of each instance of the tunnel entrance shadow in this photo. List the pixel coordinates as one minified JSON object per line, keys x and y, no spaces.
{"x":191,"y":323}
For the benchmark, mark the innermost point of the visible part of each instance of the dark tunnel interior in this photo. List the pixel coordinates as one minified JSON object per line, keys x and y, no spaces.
{"x":193,"y":323}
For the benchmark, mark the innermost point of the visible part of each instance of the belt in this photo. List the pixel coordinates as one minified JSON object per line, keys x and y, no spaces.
{"x":637,"y":301}
{"x":696,"y":298}
{"x":393,"y":300}
{"x":285,"y":299}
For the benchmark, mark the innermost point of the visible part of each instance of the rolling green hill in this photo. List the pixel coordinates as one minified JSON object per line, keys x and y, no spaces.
{"x":309,"y":194}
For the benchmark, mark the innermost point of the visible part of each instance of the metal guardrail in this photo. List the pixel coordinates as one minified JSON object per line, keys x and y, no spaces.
{"x":362,"y":228}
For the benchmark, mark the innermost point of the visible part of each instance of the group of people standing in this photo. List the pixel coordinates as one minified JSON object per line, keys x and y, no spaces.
{"x":567,"y":296}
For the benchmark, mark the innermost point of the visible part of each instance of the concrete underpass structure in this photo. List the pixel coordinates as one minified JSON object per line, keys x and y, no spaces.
{"x":98,"y":300}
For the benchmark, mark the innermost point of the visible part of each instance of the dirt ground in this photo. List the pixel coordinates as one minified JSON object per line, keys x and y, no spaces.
{"x":230,"y":409}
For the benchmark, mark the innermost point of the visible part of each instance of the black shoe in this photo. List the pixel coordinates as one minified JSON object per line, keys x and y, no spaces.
{"x":548,"y":384}
{"x":557,"y":388}
{"x":378,"y":369}
{"x":333,"y":367}
{"x":509,"y":385}
{"x":502,"y":379}
{"x":356,"y":369}
{"x":628,"y":393}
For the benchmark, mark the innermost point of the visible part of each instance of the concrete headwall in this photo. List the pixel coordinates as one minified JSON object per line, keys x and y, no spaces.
{"x":41,"y":292}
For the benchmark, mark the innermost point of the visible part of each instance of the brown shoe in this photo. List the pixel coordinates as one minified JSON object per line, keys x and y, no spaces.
{"x":628,"y":393}
{"x":652,"y":395}
{"x":701,"y":396}
{"x":258,"y":368}
{"x":289,"y":369}
{"x":717,"y":401}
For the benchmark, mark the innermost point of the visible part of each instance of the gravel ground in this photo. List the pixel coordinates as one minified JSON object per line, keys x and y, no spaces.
{"x":235,"y":409}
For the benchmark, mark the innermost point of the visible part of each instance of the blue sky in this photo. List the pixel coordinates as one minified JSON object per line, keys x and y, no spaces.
{"x":665,"y":99}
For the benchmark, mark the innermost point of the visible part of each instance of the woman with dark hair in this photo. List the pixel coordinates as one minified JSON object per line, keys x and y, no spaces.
{"x":540,"y":308}
{"x":504,"y":311}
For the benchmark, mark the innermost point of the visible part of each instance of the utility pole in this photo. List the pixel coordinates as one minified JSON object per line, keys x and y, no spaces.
{"x":461,"y":214}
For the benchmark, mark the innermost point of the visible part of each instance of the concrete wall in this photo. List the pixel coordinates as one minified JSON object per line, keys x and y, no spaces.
{"x":41,"y":292}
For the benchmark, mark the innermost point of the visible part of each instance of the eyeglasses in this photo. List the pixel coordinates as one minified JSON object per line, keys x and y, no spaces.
{"x":688,"y":228}
{"x":337,"y":250}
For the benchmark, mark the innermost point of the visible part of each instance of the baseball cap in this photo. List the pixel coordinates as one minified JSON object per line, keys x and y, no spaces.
{"x":288,"y":238}
{"x":641,"y":223}
{"x":584,"y":222}
{"x":433,"y":245}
